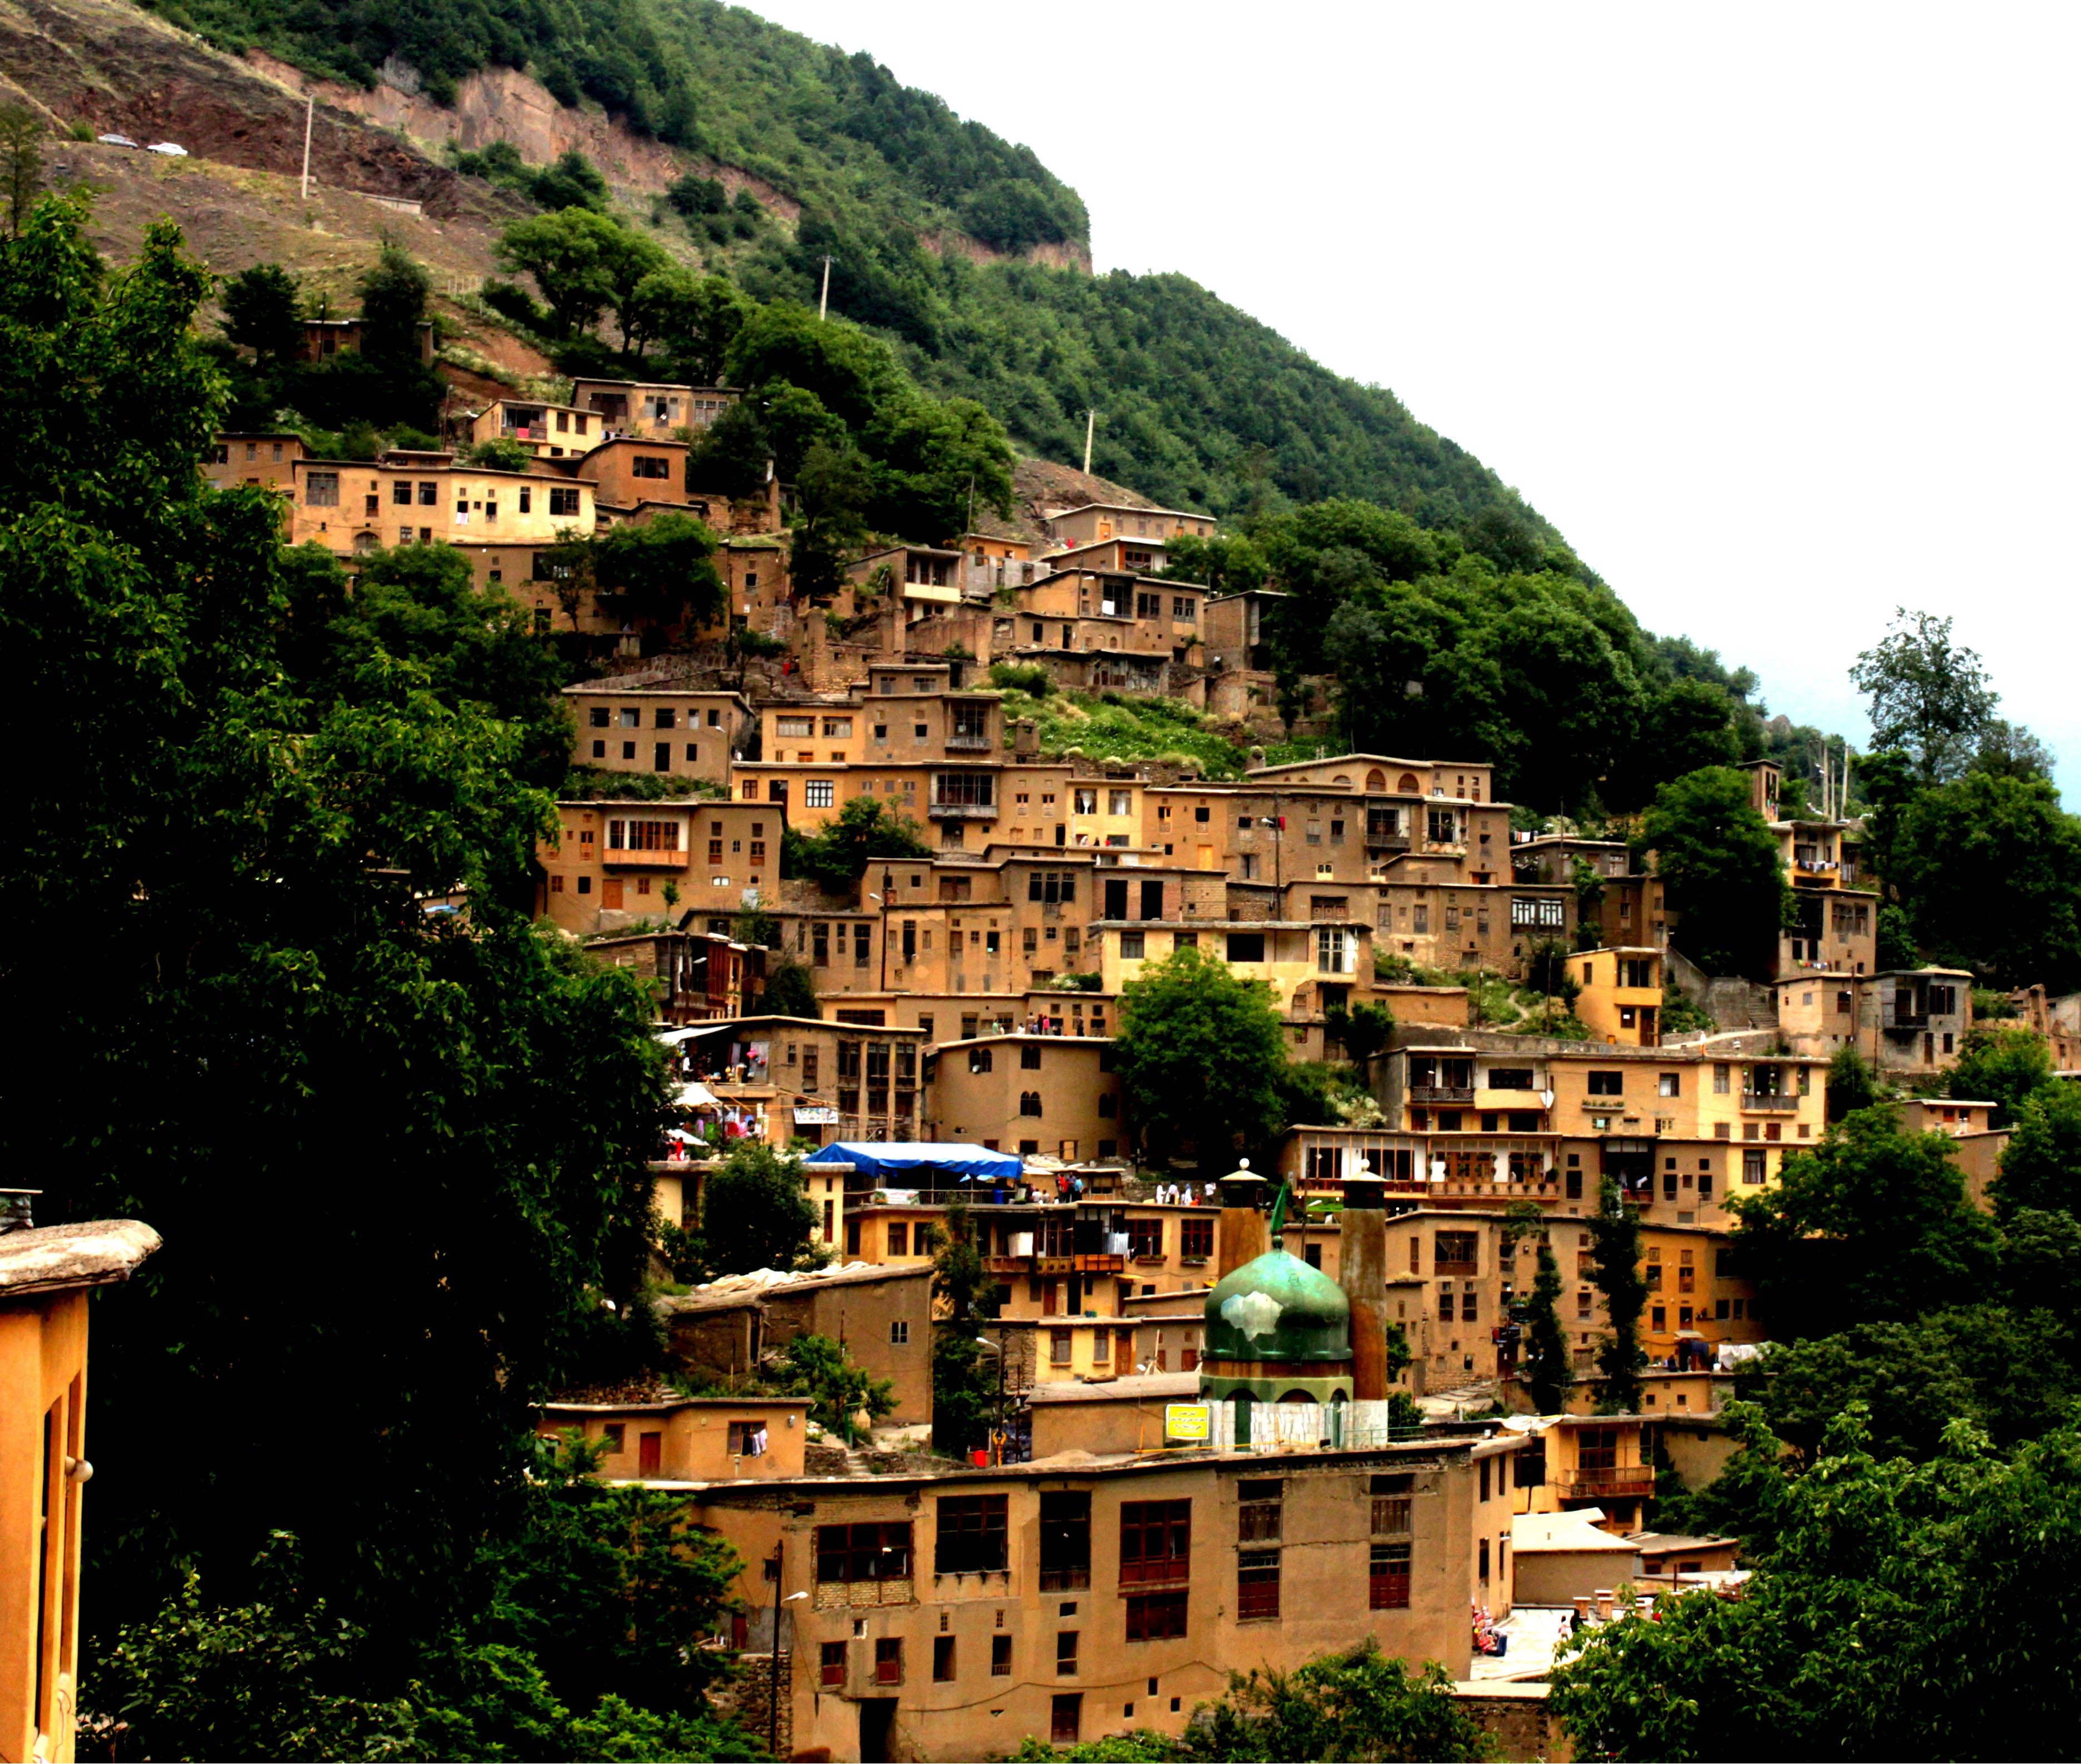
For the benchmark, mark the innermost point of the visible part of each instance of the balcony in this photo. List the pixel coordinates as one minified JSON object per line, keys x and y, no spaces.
{"x":1621,"y":1481}
{"x":1436,"y":1094}
{"x":962,"y":811}
{"x":1907,"y":1022}
{"x":1755,"y":1102}
{"x":1387,"y":842}
{"x":1101,"y":1265}
{"x":524,"y":431}
{"x":962,"y":741}
{"x":1605,"y":1105}
{"x":614,"y":860}
{"x":1007,"y":1265}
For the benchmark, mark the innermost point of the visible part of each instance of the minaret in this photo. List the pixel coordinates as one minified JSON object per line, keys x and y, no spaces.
{"x":1362,"y":1272}
{"x":1240,"y":1237}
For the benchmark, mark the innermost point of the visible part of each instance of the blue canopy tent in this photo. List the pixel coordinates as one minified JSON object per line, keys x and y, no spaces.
{"x":919,"y":1165}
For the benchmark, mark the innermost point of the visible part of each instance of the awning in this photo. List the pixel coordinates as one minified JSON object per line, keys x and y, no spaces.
{"x":672,"y":1037}
{"x":698,"y":1095}
{"x":908,"y":1158}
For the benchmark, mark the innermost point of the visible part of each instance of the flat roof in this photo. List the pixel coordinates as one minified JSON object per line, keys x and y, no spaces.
{"x":1124,"y":508}
{"x":54,"y":1258}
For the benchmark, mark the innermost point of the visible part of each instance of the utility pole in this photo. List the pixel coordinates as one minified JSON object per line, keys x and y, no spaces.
{"x":310,"y":104}
{"x":1090,"y":426}
{"x":824,"y":300}
{"x":773,"y":1697}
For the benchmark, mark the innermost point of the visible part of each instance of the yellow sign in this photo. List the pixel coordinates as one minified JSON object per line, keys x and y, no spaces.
{"x":1188,"y":1421}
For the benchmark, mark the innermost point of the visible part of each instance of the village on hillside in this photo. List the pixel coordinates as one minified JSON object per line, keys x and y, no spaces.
{"x":1016,"y":1390}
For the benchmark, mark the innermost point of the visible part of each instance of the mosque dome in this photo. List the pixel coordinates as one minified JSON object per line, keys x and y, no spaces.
{"x":1277,"y":1307}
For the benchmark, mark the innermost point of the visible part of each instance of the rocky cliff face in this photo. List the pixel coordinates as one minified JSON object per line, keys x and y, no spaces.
{"x":124,"y":71}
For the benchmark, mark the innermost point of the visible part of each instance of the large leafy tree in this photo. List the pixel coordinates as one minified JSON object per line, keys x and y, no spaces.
{"x":1718,"y":863}
{"x":2041,"y":1164}
{"x":964,"y":1374}
{"x":1873,"y":1224}
{"x":1880,"y":1623}
{"x":755,"y":1211}
{"x":1547,"y":1368}
{"x":1930,"y":697}
{"x":1990,"y":869}
{"x":398,"y":1161}
{"x":1201,"y":1054}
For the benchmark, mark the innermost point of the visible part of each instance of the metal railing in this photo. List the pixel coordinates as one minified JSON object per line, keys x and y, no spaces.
{"x":1757,"y":1102}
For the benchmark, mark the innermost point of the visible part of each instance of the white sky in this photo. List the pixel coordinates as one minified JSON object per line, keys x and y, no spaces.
{"x":1771,"y":309}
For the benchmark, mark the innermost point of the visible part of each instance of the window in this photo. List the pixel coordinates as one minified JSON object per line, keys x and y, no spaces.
{"x":1029,"y":1058}
{"x":321,"y":490}
{"x":1510,"y":1077}
{"x":943,"y":1660}
{"x":1065,"y":1653}
{"x":562,"y":502}
{"x":1387,"y":1577}
{"x":1257,"y":1584}
{"x":1721,"y":1077}
{"x":1145,"y":1236}
{"x":1066,"y":1540}
{"x":747,"y":1439}
{"x":971,"y":1537}
{"x":1391,"y":1499}
{"x":1155,"y":1541}
{"x":1156,"y":1616}
{"x":1607,"y":1084}
{"x":1060,"y":1351}
{"x":1000,"y":1656}
{"x":1752,"y":1168}
{"x":979,"y":1059}
{"x":870,"y":1552}
{"x":1196,"y":1240}
{"x":1133,"y":944}
{"x":1029,"y":1102}
{"x":1537,"y":910}
{"x":899,"y":1331}
{"x":818,"y":794}
{"x":646,"y":466}
{"x":1258,"y":1510}
{"x":888,"y":1659}
{"x":832,"y":1665}
{"x":1245,"y":946}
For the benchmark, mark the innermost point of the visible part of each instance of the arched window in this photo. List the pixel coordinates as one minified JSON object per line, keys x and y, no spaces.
{"x":1407,"y":786}
{"x":1376,"y":780}
{"x":1029,"y":1102}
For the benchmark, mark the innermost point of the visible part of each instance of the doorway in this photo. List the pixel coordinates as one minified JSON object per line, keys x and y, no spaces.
{"x":610,"y":894}
{"x":877,"y":1729}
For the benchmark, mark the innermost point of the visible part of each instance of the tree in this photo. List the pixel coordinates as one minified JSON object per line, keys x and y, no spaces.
{"x":1718,"y":863}
{"x":791,"y":991}
{"x":1875,"y":1625}
{"x":2002,"y":1066}
{"x":963,"y":1382}
{"x":1615,"y":1256}
{"x":499,"y":454}
{"x":571,"y":255}
{"x":1361,"y":1031}
{"x":21,"y":162}
{"x":756,"y":1211}
{"x":1872,"y":1224}
{"x":1200,"y":1053}
{"x":262,"y":312}
{"x":395,"y":291}
{"x":663,"y":569}
{"x":2041,"y":1164}
{"x":832,"y":487}
{"x":836,"y":858}
{"x":572,"y":182}
{"x":276,"y":1021}
{"x":2021,"y":922}
{"x":816,"y":1367}
{"x":1854,"y":1083}
{"x":1548,"y":1368}
{"x":1929,"y":697}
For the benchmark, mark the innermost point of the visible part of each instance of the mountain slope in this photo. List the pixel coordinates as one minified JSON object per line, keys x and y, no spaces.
{"x":1199,"y":403}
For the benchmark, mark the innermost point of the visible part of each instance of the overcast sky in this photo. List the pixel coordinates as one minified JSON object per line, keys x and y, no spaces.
{"x":1771,"y":309}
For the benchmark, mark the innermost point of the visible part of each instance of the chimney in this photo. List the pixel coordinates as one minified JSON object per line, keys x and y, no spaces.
{"x":1362,"y":1272}
{"x":1240,"y":1237}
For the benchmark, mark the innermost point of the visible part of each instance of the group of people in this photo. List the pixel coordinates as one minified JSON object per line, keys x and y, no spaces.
{"x":1173,"y":1194}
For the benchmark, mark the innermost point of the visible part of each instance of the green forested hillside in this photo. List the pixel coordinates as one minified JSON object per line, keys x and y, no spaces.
{"x":832,"y":131}
{"x":1199,"y":403}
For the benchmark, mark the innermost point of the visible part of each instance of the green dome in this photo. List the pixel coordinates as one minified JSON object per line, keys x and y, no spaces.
{"x":1277,"y":1307}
